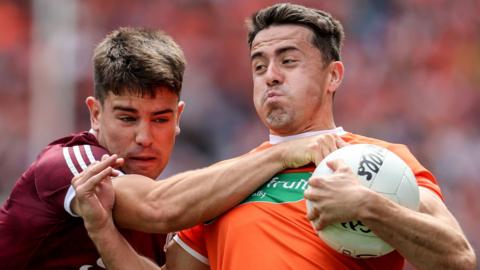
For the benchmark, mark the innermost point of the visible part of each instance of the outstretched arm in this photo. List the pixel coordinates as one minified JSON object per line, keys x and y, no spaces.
{"x":189,"y":198}
{"x":429,"y":239}
{"x":182,"y":200}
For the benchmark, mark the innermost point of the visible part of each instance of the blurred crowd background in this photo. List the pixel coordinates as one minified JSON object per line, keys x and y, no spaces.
{"x":412,"y":77}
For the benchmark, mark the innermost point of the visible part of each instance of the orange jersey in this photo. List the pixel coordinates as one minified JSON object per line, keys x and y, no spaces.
{"x":269,"y":229}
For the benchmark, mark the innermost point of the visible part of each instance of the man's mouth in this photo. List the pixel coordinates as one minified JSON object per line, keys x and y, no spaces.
{"x":272,"y":96}
{"x":142,"y":158}
{"x":272,"y":93}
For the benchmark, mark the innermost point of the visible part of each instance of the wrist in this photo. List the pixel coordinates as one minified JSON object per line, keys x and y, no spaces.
{"x":371,"y":204}
{"x":287,"y":156}
{"x":100,"y":230}
{"x":276,"y":156}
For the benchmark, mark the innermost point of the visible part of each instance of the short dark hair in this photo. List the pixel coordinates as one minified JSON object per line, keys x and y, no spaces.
{"x":328,"y":32}
{"x":137,"y":60}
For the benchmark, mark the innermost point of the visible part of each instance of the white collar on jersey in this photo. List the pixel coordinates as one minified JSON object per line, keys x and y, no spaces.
{"x":274,"y":139}
{"x":92,"y":131}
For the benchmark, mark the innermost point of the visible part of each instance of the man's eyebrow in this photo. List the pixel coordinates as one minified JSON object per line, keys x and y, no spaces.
{"x":256,"y":55}
{"x":286,"y":49}
{"x":166,"y":111}
{"x":278,"y":51}
{"x":124,"y":108}
{"x":133,"y":110}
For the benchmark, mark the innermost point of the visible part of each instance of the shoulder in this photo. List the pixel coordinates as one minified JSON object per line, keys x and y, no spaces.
{"x":69,"y":155}
{"x":61,"y":160}
{"x":424,"y":177}
{"x":399,"y":149}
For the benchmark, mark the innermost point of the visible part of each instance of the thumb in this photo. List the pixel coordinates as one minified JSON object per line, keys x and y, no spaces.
{"x":335,"y":164}
{"x":340,"y":142}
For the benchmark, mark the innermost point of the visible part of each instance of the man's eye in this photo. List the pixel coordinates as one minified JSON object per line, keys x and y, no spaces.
{"x":161,"y":120}
{"x":289,"y":61}
{"x":127,"y":119}
{"x":260,"y":67}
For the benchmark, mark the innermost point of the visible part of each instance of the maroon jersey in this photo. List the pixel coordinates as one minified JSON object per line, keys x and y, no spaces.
{"x":37,"y":228}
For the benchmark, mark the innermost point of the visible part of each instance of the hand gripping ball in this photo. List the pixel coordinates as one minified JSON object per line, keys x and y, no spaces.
{"x":382,"y":171}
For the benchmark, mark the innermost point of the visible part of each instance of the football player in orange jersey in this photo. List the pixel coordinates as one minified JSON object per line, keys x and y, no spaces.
{"x":296,"y":67}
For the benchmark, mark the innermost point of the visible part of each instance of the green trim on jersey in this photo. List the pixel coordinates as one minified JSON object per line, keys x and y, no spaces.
{"x":282,"y":188}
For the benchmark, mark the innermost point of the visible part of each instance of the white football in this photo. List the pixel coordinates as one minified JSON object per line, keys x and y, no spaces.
{"x":378,"y":169}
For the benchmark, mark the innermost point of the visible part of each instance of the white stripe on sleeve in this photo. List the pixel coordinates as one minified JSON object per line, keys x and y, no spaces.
{"x":78,"y":156}
{"x":88,"y":151}
{"x":71,"y":192}
{"x":68,"y":159}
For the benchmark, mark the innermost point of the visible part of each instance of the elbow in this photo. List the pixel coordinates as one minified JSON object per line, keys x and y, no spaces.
{"x":464,"y":259}
{"x":468,"y":260}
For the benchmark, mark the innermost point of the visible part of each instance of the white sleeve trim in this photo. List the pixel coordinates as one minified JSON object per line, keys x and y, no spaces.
{"x":78,"y":156}
{"x":68,"y":160}
{"x":89,"y":152}
{"x":191,"y":251}
{"x":68,"y":201}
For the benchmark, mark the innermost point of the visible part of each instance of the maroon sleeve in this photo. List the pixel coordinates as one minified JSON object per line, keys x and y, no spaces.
{"x":33,"y":222}
{"x":56,"y":168}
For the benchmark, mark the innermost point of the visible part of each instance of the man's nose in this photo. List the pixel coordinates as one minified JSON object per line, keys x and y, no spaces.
{"x":144,"y":135}
{"x":274,"y":75}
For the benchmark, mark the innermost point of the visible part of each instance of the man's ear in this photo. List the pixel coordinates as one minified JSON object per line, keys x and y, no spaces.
{"x":95,"y":108}
{"x":335,"y":76}
{"x":180,"y":108}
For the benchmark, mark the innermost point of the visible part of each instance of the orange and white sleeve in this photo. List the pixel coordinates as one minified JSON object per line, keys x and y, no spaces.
{"x":193,"y":242}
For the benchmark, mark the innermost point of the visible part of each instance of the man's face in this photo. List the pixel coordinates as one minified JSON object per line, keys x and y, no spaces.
{"x":290,"y":80}
{"x":142,"y":130}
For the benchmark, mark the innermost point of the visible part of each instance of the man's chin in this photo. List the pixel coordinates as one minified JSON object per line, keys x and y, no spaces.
{"x":279,"y":123}
{"x":143,"y":171}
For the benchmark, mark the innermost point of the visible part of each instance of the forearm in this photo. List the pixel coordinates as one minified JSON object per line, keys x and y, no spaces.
{"x":116,"y":252}
{"x":189,"y":198}
{"x":426,"y":240}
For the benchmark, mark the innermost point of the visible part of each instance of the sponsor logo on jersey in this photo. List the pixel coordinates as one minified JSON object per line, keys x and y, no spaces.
{"x":282,"y":188}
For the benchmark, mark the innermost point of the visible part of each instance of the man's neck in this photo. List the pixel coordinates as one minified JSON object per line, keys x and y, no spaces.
{"x":274,"y":139}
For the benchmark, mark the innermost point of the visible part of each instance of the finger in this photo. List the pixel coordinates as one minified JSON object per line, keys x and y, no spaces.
{"x":340,"y":142}
{"x":325,"y":152}
{"x":307,"y":194}
{"x":91,"y":182}
{"x":316,"y":157}
{"x":92,"y":169}
{"x":315,"y":181}
{"x":115,"y":173}
{"x":119,"y":163}
{"x":97,"y":167}
{"x":339,"y":166}
{"x":105,"y":182}
{"x":335,"y":164}
{"x":312,"y":212}
{"x":318,"y":223}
